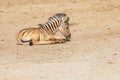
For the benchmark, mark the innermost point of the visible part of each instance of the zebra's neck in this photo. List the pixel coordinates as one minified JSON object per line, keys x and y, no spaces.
{"x":52,"y":26}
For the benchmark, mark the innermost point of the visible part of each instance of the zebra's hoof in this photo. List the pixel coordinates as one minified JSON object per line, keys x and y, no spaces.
{"x":30,"y":43}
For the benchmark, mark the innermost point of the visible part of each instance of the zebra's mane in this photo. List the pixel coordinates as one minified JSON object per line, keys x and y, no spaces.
{"x":60,"y":15}
{"x":40,"y":25}
{"x":57,"y":15}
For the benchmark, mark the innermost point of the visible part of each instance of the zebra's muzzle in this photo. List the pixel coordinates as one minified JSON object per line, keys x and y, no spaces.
{"x":68,"y":37}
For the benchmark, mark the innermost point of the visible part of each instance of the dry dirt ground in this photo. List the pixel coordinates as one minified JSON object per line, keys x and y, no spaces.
{"x":92,"y":54}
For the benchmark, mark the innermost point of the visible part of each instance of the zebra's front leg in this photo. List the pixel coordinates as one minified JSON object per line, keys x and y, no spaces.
{"x":58,"y":39}
{"x":42,"y":42}
{"x":55,"y":41}
{"x":46,"y":42}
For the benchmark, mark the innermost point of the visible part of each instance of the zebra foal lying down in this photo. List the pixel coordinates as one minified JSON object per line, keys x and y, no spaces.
{"x":44,"y":34}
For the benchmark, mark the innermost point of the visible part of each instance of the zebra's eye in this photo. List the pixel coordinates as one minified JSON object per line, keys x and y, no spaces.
{"x":65,"y":21}
{"x":67,"y":27}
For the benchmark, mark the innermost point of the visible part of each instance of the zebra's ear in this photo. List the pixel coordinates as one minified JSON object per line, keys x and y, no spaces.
{"x":66,"y":19}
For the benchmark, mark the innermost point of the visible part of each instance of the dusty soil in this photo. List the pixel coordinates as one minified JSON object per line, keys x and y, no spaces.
{"x":92,"y":54}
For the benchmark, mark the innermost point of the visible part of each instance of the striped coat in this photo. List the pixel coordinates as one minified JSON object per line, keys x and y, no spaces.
{"x":44,"y":34}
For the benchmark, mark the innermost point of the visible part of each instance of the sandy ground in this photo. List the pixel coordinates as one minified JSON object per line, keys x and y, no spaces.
{"x":92,"y":54}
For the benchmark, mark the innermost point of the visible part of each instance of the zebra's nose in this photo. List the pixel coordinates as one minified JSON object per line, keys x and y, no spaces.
{"x":68,"y":37}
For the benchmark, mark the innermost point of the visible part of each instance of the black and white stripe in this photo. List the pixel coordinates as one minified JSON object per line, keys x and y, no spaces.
{"x":53,"y":24}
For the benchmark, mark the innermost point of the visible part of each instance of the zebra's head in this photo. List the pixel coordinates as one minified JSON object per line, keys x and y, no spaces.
{"x":64,"y":27}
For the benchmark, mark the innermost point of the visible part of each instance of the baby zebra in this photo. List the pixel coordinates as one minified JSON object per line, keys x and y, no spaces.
{"x":44,"y":34}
